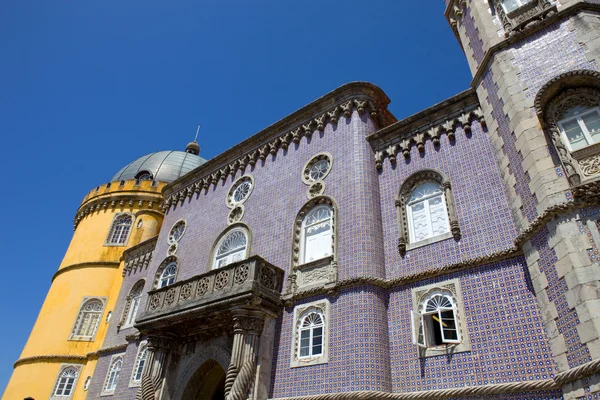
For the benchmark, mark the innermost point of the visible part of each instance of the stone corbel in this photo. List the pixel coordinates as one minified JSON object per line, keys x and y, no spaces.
{"x":378,"y":160}
{"x":451,"y":207}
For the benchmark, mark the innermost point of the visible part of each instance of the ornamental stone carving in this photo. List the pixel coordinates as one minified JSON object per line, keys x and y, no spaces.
{"x":186,"y":292}
{"x":241,"y":274}
{"x":235,"y":215}
{"x":221,"y":280}
{"x":203,"y":286}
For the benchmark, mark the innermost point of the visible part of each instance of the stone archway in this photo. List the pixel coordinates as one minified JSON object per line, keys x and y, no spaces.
{"x":207,"y":383}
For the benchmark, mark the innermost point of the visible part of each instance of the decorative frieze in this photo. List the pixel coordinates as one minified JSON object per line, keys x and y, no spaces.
{"x":138,"y":257}
{"x":112,"y":204}
{"x":282,"y":142}
{"x":399,"y":143}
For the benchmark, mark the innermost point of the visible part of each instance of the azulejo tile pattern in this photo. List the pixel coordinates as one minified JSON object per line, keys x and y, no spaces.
{"x":592,"y":214}
{"x":548,"y":53}
{"x":508,"y":341}
{"x":475,"y":41}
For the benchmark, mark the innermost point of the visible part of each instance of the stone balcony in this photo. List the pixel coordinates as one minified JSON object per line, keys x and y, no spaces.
{"x":204,"y":303}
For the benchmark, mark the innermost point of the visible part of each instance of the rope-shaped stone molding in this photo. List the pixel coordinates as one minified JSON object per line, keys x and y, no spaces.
{"x":469,"y":391}
{"x":294,"y":135}
{"x":583,"y":371}
{"x":232,"y":373}
{"x":241,"y":385}
{"x":433,"y":133}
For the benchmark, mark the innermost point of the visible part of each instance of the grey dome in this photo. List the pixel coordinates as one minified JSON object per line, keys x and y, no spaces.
{"x":164,"y":166}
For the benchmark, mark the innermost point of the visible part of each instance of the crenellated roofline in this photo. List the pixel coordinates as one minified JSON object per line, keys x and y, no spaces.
{"x":315,"y":116}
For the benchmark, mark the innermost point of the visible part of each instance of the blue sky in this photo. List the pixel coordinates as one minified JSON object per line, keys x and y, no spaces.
{"x":88,"y":86}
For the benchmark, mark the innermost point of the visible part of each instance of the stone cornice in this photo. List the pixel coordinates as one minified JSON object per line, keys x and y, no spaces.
{"x":529,"y":30}
{"x":91,"y":264}
{"x":340,"y":103}
{"x":55,"y":358}
{"x":430,"y":124}
{"x":404,"y":280}
{"x":118,"y":200}
{"x":139,"y":256}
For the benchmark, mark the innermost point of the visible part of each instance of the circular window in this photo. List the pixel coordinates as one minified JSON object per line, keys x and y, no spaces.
{"x":240,"y":191}
{"x":177,"y":232}
{"x":317,"y":168}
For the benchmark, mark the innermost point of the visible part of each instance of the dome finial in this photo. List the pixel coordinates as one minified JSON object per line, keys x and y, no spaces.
{"x":194,"y":147}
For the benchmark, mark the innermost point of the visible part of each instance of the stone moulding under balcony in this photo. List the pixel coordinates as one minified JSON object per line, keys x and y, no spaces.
{"x":210,"y":297}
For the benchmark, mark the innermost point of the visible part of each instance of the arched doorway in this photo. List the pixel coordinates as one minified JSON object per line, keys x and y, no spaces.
{"x":207,"y":383}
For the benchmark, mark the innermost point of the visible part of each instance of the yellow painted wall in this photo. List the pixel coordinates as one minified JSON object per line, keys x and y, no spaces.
{"x":50,"y":334}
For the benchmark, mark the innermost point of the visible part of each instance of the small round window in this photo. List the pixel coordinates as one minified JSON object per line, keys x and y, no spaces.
{"x":317,"y":168}
{"x":177,"y":232}
{"x":240,"y":191}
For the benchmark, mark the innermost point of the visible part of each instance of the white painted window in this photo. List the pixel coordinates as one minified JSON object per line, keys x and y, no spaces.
{"x":168,"y":275}
{"x":112,"y":377}
{"x":436,"y":324}
{"x":135,"y":297}
{"x":580,"y":127}
{"x":138,"y":369}
{"x":119,"y":231}
{"x":66,"y":382}
{"x":88,"y":320}
{"x":317,"y":235}
{"x":231,"y":248}
{"x":426,"y":212}
{"x":311,"y":335}
{"x":511,"y":5}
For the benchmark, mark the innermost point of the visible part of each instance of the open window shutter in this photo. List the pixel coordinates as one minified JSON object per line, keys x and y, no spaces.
{"x":416,"y":322}
{"x":450,"y":333}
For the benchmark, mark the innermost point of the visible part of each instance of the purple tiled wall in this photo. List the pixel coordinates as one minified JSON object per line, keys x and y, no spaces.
{"x":122,"y":391}
{"x":508,"y":341}
{"x":481,"y":202}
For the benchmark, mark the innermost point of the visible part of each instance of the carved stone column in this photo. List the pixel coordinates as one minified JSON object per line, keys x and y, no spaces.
{"x":154,"y":368}
{"x":247,"y":327}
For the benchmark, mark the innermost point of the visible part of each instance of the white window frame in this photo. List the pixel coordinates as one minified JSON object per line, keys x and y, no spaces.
{"x":162,"y":278}
{"x":62,"y":369}
{"x":320,"y":307}
{"x":421,"y":328}
{"x":409,"y":214}
{"x":582,"y":126}
{"x":133,"y":304}
{"x":79,"y":320}
{"x":521,"y":3}
{"x":143,"y":347}
{"x":232,"y":256}
{"x":119,"y":243}
{"x":303,"y":235}
{"x":106,"y":391}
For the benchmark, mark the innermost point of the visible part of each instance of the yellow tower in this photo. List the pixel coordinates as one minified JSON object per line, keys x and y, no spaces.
{"x":63,"y":346}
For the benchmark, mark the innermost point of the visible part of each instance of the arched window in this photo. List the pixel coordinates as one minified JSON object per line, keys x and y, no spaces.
{"x":112,"y":377}
{"x":138,"y":368}
{"x":311,"y":335}
{"x":133,"y":304}
{"x":143,"y":176}
{"x":317,"y":237}
{"x":119,"y":231}
{"x":88,"y":320}
{"x":426,"y":211}
{"x":65,"y":382}
{"x":580,"y":127}
{"x":436,"y":324}
{"x":232,"y":247}
{"x":168,"y":275}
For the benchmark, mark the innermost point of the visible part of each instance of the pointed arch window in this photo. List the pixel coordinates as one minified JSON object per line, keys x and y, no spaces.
{"x":317,"y":234}
{"x":133,"y":304}
{"x":112,"y":377}
{"x":436,"y":324}
{"x":168,"y":275}
{"x":232,"y":247}
{"x":88,"y":320}
{"x":119,"y":230}
{"x":311,"y":334}
{"x":65,"y":384}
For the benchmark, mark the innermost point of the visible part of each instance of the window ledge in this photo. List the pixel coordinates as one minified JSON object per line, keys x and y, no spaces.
{"x":308,"y":361}
{"x":445,"y":349}
{"x":111,"y":393}
{"x":317,"y":273}
{"x":522,"y":9}
{"x":587,"y":151}
{"x":81,"y":339}
{"x":427,"y":242}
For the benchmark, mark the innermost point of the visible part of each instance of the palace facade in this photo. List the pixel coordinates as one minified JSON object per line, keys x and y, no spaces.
{"x":342,"y":254}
